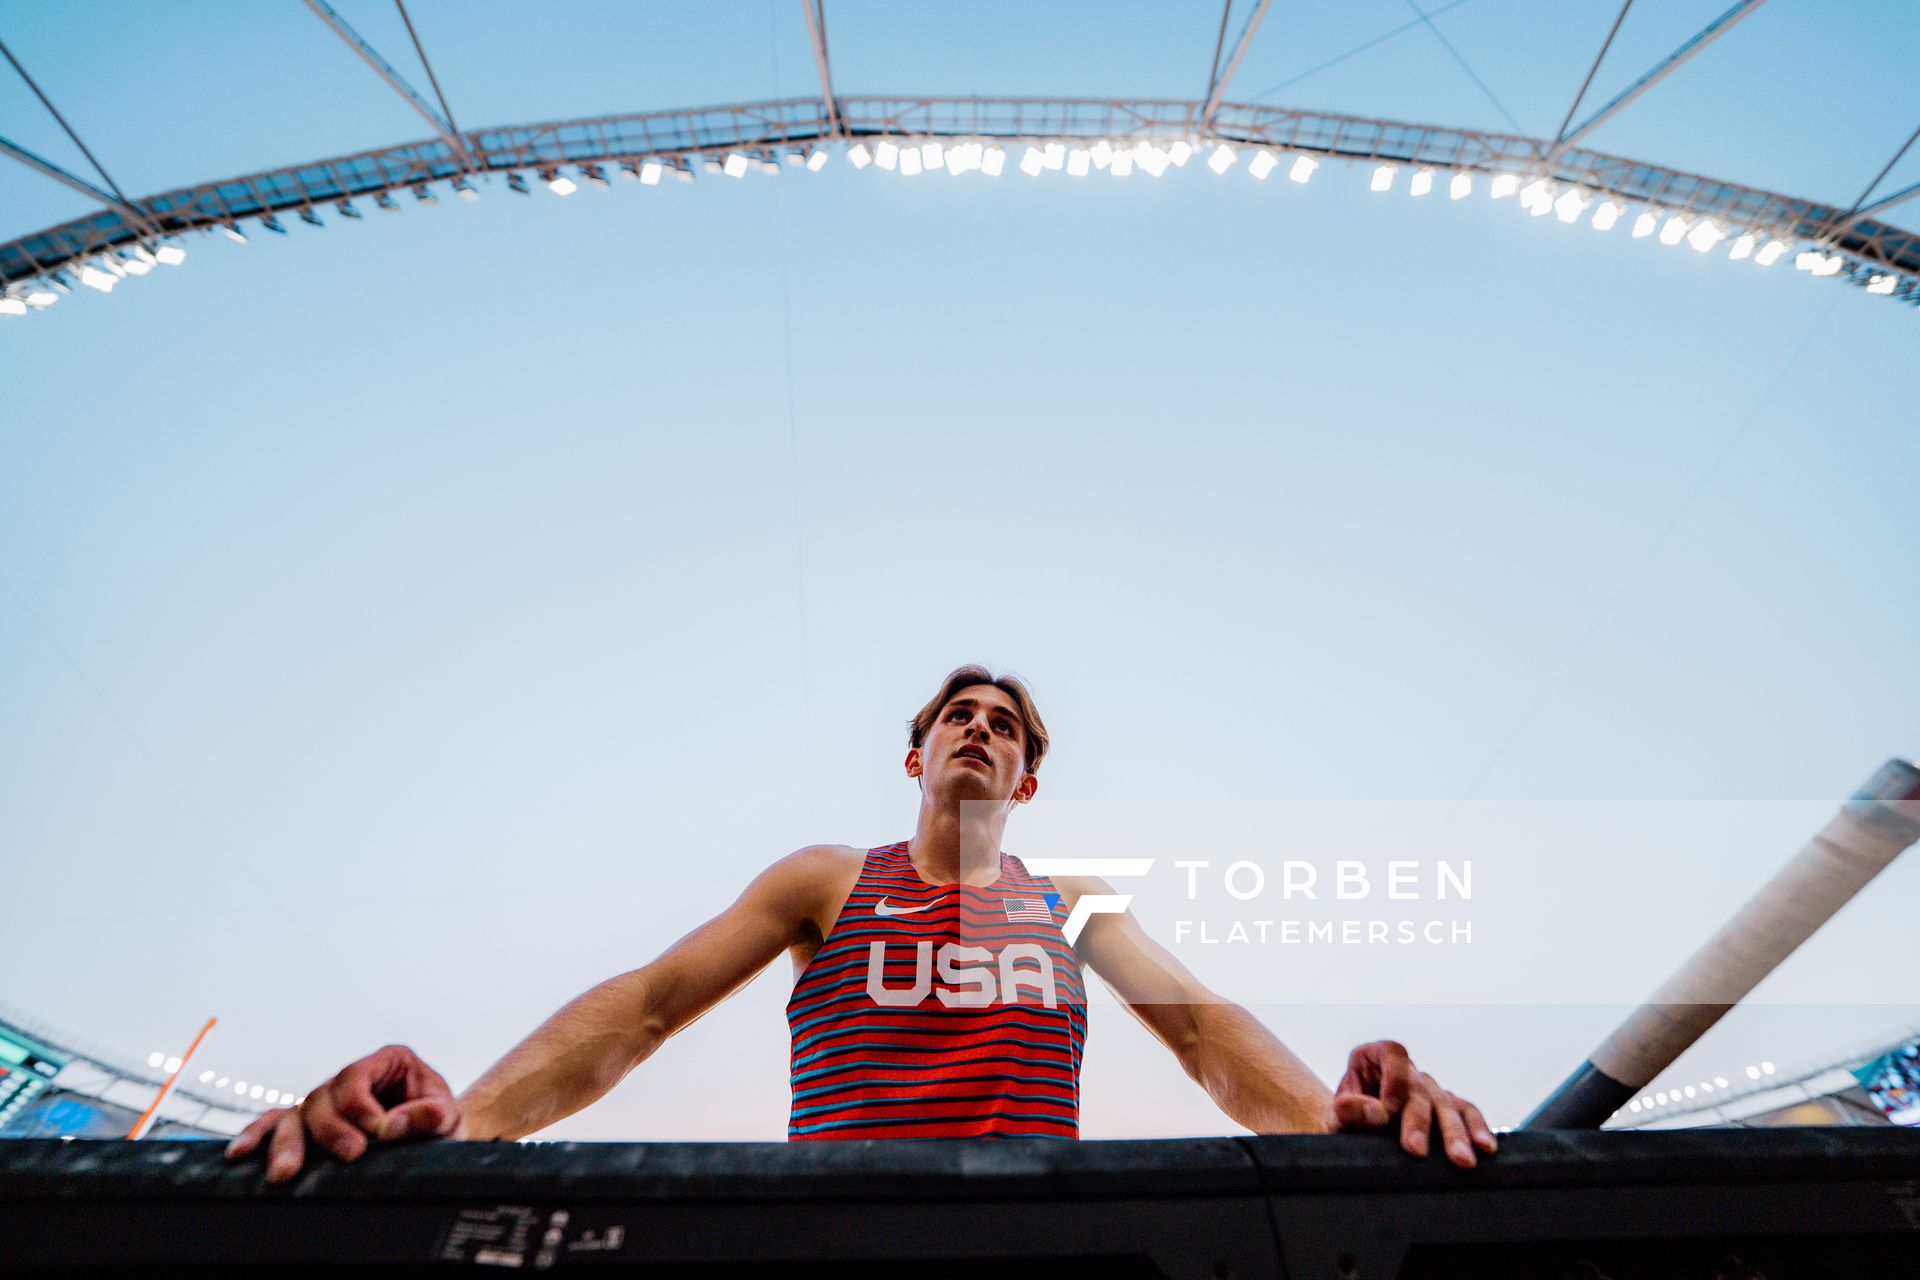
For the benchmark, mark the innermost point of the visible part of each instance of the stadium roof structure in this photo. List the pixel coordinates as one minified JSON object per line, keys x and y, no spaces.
{"x":72,"y":1089}
{"x":963,"y":135}
{"x":1827,"y":1092}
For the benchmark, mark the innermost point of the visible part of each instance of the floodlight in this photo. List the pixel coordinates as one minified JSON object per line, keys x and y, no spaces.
{"x":1505,"y":184}
{"x":1644,"y":224}
{"x":1222,"y":158}
{"x":1056,"y":155}
{"x":1609,"y":212}
{"x":1532,"y":192}
{"x":134,"y":265}
{"x":1571,"y":204}
{"x":1674,"y":230}
{"x":1706,"y":234}
{"x":735,"y":166}
{"x":591,"y":172}
{"x":1829,"y":266}
{"x":256,"y":1092}
{"x":816,"y":159}
{"x":1882,"y":284}
{"x":858,"y":156}
{"x":993,"y":161}
{"x":41,"y":298}
{"x":1102,"y":153}
{"x":240,"y":1086}
{"x":1807,"y":259}
{"x":465,"y":190}
{"x":1150,"y":158}
{"x":932,"y":155}
{"x":233,"y":233}
{"x":1422,"y":183}
{"x":1262,"y":164}
{"x":1771,"y":252}
{"x":94,"y":278}
{"x":909,"y":161}
{"x":1180,"y":152}
{"x":155,"y":1058}
{"x":560,"y":184}
{"x":1461,"y":186}
{"x":12,"y":307}
{"x":1033,"y":162}
{"x":386,"y":203}
{"x":1121,"y":164}
{"x":312,"y":219}
{"x":273,"y":1096}
{"x":1303,"y":167}
{"x":1743,"y":246}
{"x":1078,"y":161}
{"x":650,"y":173}
{"x":347,"y":210}
{"x":886,"y":154}
{"x":1383,"y":177}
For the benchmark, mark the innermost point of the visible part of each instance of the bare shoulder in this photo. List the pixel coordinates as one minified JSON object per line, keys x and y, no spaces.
{"x":814,"y":881}
{"x":823,"y":861}
{"x":815,"y":872}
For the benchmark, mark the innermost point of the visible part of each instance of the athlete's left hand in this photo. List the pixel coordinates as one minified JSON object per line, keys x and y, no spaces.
{"x":1382,"y":1082}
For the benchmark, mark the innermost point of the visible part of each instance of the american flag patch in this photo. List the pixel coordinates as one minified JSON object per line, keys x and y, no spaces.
{"x":1029,"y":910}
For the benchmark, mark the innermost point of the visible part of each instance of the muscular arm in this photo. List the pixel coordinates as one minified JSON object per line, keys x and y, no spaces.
{"x":1244,"y":1067}
{"x":577,"y":1055}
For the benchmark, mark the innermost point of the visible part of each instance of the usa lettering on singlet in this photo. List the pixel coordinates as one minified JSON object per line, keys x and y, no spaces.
{"x":939,"y":1011}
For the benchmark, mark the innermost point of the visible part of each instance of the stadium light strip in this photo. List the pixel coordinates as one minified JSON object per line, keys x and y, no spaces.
{"x":911,"y":137}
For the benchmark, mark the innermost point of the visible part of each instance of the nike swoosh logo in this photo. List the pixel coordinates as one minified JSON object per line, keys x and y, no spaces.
{"x":881,"y":908}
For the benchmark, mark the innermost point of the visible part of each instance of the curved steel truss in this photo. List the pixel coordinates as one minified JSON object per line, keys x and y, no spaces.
{"x":1858,"y":249}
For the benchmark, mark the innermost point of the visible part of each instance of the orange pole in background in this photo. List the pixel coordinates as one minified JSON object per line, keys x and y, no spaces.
{"x":140,"y":1125}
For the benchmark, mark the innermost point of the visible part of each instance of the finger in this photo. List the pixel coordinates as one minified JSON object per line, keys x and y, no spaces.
{"x":289,"y":1149}
{"x":1453,"y":1131}
{"x":346,"y":1141}
{"x":1354,"y":1110}
{"x":248,"y":1138}
{"x":1482,"y":1131}
{"x":423,"y":1118}
{"x":1398,"y":1080}
{"x":1414,"y":1122}
{"x":351,"y":1093}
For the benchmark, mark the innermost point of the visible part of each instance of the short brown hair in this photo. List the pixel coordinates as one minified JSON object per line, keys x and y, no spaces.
{"x":961,"y":678}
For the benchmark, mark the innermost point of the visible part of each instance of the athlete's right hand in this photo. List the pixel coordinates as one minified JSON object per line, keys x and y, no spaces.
{"x":387,"y":1096}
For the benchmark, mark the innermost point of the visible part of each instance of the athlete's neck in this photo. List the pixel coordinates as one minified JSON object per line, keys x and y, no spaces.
{"x":958,"y":844}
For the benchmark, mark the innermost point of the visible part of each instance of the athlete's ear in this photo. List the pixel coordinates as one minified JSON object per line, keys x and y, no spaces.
{"x":1024,"y":792}
{"x":913,"y":762}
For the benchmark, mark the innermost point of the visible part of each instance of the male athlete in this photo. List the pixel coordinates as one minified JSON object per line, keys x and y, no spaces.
{"x":880,"y":1048}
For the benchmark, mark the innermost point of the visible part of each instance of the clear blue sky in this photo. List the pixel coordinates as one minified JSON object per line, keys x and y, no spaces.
{"x":409,"y":623}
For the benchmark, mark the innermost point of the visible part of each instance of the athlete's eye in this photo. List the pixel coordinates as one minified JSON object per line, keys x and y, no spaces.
{"x":957,"y":714}
{"x":1004,"y":726}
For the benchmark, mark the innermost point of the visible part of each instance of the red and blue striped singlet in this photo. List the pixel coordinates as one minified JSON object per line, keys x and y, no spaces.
{"x":939,"y":1011}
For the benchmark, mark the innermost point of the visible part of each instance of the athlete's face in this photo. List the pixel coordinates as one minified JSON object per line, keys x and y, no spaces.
{"x":976,"y":749}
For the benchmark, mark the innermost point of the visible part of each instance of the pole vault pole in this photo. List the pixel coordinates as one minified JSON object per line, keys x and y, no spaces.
{"x":140,"y":1126}
{"x":1870,"y":831}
